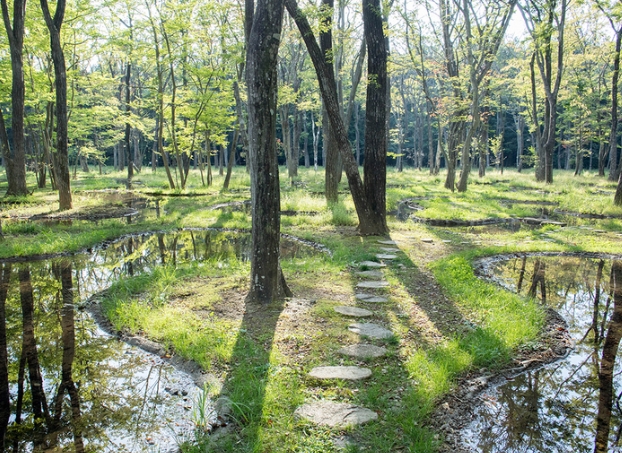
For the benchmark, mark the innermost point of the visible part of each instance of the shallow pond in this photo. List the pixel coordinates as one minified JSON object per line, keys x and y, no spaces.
{"x":72,"y":387}
{"x":563,"y":406}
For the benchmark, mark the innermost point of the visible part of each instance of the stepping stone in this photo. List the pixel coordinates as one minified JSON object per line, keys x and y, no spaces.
{"x":335,"y":415}
{"x":370,"y":274}
{"x":427,"y":240}
{"x":370,"y":298}
{"x":363,"y":350}
{"x":385,"y":256}
{"x":373,"y":284}
{"x":387,"y":242}
{"x":447,"y":241}
{"x":353,"y":311}
{"x":372,"y":264}
{"x":389,"y":249}
{"x":370,"y":330}
{"x":351,"y":373}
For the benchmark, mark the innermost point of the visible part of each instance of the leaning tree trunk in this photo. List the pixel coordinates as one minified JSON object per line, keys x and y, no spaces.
{"x":267,"y":282}
{"x":370,"y":222}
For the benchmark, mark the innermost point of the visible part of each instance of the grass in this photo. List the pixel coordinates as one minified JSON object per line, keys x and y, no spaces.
{"x":261,"y":356}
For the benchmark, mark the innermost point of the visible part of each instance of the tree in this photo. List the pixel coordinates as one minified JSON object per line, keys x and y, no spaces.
{"x":612,"y":13}
{"x":263,"y":28}
{"x":60,"y":81}
{"x":15,"y":156}
{"x":371,"y":222}
{"x":546,"y":19}
{"x":376,"y":112}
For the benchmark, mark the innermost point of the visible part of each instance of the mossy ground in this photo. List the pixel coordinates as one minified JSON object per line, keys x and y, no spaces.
{"x":446,"y":322}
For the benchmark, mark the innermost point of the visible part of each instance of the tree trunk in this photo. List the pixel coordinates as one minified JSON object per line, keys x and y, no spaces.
{"x":128,"y":127}
{"x":5,"y":407}
{"x":370,"y":222}
{"x":267,"y":282}
{"x":305,"y":147}
{"x":332,"y":169}
{"x":607,"y":363}
{"x":614,"y":170}
{"x":15,"y":156}
{"x":519,"y":122}
{"x":376,"y":113}
{"x":617,"y":200}
{"x":60,"y":81}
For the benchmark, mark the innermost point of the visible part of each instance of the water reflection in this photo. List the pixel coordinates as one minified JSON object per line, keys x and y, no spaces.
{"x":574,"y":404}
{"x":64,"y":384}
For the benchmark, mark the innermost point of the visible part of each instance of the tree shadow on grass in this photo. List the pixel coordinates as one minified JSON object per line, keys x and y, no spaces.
{"x":248,"y":376}
{"x":434,"y":343}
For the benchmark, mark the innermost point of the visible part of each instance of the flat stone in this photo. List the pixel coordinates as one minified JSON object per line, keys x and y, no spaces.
{"x":370,"y":274}
{"x":351,"y":373}
{"x":373,"y":284}
{"x":363,"y":350}
{"x":370,"y":330}
{"x":371,"y":264}
{"x":385,"y":256}
{"x":427,"y":240}
{"x":390,"y":249}
{"x":370,"y":298}
{"x":387,"y":242}
{"x":333,"y":414}
{"x":377,"y":300}
{"x":353,"y":311}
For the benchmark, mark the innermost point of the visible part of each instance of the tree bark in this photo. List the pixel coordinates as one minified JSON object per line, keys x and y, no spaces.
{"x":607,"y":363}
{"x":376,"y":112}
{"x":128,"y":127}
{"x":370,"y":222}
{"x":15,"y":156}
{"x":60,"y":81}
{"x":614,"y":170}
{"x":267,"y":282}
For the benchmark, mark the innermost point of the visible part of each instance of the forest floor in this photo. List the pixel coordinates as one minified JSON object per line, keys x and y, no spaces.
{"x":453,"y":334}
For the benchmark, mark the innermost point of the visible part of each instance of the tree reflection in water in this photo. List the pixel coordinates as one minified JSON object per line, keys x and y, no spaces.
{"x":64,"y":385}
{"x":569,"y":405}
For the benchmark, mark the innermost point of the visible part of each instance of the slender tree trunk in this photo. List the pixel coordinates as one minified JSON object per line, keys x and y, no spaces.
{"x":5,"y":407}
{"x":617,"y":200}
{"x":614,"y":171}
{"x":60,"y":81}
{"x":128,"y":127}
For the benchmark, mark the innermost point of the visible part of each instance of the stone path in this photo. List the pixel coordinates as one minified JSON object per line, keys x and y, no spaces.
{"x":342,"y":414}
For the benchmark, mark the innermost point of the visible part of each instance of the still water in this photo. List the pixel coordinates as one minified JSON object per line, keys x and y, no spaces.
{"x":573,"y":405}
{"x":73,"y":388}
